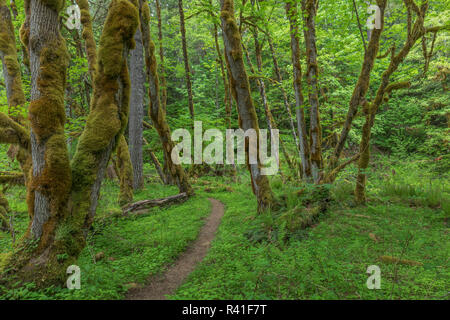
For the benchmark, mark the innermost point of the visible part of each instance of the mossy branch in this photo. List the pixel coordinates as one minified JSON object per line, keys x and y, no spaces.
{"x":88,"y":36}
{"x":12,"y":132}
{"x":396,"y":86}
{"x":12,"y":178}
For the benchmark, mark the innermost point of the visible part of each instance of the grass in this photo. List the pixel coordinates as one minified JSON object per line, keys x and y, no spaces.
{"x":403,"y":230}
{"x":133,"y":248}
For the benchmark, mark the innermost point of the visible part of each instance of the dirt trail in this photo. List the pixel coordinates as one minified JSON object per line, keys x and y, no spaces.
{"x":168,"y":282}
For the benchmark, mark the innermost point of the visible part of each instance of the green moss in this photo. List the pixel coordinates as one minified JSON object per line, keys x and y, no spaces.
{"x":125,"y":172}
{"x":9,"y":53}
{"x":109,"y":107}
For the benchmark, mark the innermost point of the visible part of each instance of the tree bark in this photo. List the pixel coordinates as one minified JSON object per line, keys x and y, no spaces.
{"x":240,"y":85}
{"x":135,"y":127}
{"x":291,"y":12}
{"x":51,"y":179}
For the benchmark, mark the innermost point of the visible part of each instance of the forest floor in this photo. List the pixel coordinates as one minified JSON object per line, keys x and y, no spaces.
{"x":403,"y":229}
{"x":164,"y":284}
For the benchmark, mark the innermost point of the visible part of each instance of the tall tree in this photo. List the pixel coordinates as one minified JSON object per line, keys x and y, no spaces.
{"x":361,"y":87}
{"x":162,"y":70}
{"x":287,"y":105}
{"x":135,"y":126}
{"x":186,"y":59}
{"x":415,"y":32}
{"x":157,"y":113}
{"x":292,"y":13}
{"x":309,"y":10}
{"x":241,"y":88}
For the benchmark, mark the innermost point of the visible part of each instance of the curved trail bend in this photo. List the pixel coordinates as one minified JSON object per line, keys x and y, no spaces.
{"x":167,"y":283}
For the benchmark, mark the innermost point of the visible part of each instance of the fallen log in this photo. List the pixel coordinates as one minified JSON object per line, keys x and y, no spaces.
{"x":145,"y":204}
{"x":12,"y":178}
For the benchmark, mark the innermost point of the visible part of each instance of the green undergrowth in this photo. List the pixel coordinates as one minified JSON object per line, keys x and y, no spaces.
{"x":129,"y":249}
{"x":405,"y":236}
{"x":317,"y":245}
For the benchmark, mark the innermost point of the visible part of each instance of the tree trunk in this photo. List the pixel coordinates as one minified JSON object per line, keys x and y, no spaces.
{"x":361,"y":87}
{"x":271,"y":124}
{"x":247,"y":113}
{"x":49,"y":189}
{"x":285,"y":97}
{"x":291,"y":12}
{"x":309,"y":10}
{"x":135,"y":127}
{"x":10,"y":63}
{"x":162,"y":71}
{"x":227,"y":96}
{"x":88,"y":36}
{"x":156,"y":111}
{"x":59,"y":225}
{"x":4,"y":211}
{"x":14,"y":93}
{"x":125,"y":172}
{"x":186,"y":60}
{"x":51,"y":180}
{"x":384,"y":90}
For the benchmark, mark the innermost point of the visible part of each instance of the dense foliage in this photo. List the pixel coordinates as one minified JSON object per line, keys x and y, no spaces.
{"x":317,"y":242}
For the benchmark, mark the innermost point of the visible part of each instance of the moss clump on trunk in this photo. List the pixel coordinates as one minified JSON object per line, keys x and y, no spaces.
{"x":11,"y":67}
{"x":125,"y":172}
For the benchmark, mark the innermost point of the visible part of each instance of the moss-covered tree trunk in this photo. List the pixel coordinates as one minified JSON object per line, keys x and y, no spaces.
{"x":88,"y":36}
{"x":135,"y":126}
{"x":14,"y":128}
{"x":63,"y":211}
{"x":241,"y":88}
{"x":157,"y":113}
{"x":228,"y":99}
{"x":162,"y":75}
{"x":51,"y":178}
{"x":4,"y":212}
{"x":292,"y":12}
{"x":227,"y":92}
{"x":309,"y":10}
{"x":162,"y":72}
{"x":271,"y":124}
{"x":10,"y":63}
{"x":415,"y":32}
{"x":361,"y":87}
{"x":287,"y":105}
{"x":125,"y":167}
{"x":186,"y":60}
{"x":49,"y":188}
